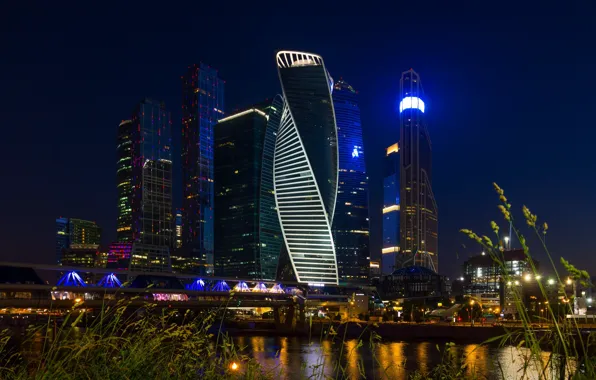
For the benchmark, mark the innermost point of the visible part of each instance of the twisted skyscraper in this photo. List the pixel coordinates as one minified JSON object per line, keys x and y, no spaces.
{"x":306,"y":167}
{"x":418,"y":225}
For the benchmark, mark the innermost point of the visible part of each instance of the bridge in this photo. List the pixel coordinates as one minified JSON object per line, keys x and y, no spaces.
{"x":289,"y":301}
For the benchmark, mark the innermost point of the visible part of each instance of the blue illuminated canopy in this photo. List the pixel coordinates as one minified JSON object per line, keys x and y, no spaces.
{"x":411,"y":102}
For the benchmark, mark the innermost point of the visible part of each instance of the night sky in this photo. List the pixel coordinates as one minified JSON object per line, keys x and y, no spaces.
{"x":509,"y":91}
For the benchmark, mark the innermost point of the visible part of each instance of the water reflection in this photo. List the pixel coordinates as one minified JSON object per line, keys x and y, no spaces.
{"x":297,"y":358}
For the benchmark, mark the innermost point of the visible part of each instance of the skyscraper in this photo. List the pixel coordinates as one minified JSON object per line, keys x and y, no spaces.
{"x":391,"y":210}
{"x":306,"y":167}
{"x":123,"y":179}
{"x":74,"y":233}
{"x":247,"y":232}
{"x":178,"y":229}
{"x":145,"y":167}
{"x":202,"y":107}
{"x":350,"y":222}
{"x":419,"y":218}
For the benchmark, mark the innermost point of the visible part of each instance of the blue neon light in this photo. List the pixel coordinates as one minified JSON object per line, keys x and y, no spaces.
{"x":221,"y":286}
{"x":110,"y":281}
{"x":355,"y":152}
{"x":72,"y":279}
{"x":411,"y":102}
{"x":198,"y":284}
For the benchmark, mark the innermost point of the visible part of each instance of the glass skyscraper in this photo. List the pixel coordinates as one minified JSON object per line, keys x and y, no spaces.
{"x":350,"y":222}
{"x":247,"y":232}
{"x":144,"y":173}
{"x":202,"y":107}
{"x":123,"y":180}
{"x":306,"y":168}
{"x":419,"y":214}
{"x":76,"y":234}
{"x":391,"y":210}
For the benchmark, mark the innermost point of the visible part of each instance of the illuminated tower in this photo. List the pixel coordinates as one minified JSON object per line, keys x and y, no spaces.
{"x":350,"y":222}
{"x":123,"y":181}
{"x":391,"y":210}
{"x":247,"y":232}
{"x":202,"y":107}
{"x":418,"y":226}
{"x":144,"y":174}
{"x":306,"y":167}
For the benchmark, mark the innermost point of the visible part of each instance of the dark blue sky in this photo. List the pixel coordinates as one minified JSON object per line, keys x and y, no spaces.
{"x":510,"y":94}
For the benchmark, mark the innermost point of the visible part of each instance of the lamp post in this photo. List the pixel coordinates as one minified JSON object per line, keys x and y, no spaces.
{"x":507,"y":245}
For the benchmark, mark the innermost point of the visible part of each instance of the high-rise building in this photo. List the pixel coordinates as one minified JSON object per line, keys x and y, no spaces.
{"x":419,"y":214}
{"x":350,"y":222}
{"x":178,"y":229}
{"x":145,"y":182}
{"x":306,"y":168}
{"x":391,"y":211}
{"x":247,"y":232}
{"x":202,"y":107}
{"x":125,"y":156}
{"x":75,"y":234}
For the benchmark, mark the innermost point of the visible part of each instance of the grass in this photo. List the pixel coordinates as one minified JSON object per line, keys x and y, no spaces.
{"x":162,"y":344}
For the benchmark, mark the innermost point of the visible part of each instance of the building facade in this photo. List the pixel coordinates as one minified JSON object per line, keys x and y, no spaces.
{"x":485,"y":279}
{"x":247,"y":232}
{"x":202,"y":107}
{"x":144,"y":176}
{"x":350,"y":222}
{"x":178,"y":229}
{"x":75,"y":234}
{"x":391,"y":211}
{"x":419,"y":213}
{"x":306,"y":169}
{"x":124,"y":151}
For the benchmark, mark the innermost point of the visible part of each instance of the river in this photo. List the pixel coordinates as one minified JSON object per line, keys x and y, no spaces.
{"x":297,"y":358}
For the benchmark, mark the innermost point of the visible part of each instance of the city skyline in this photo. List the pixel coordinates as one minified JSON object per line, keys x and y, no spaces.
{"x":476,"y":122}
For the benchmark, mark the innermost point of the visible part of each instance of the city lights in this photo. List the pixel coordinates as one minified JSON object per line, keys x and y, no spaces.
{"x":411,"y":102}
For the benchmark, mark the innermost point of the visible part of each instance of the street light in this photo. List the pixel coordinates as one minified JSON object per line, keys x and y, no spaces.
{"x":483,"y":253}
{"x":507,"y":242}
{"x":551,"y":281}
{"x":528,"y":277}
{"x":538,"y":277}
{"x":461,"y":278}
{"x":569,"y":281}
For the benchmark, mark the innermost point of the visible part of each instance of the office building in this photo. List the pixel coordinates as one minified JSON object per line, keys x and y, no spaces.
{"x":75,"y":234}
{"x":202,"y":107}
{"x":350,"y":222}
{"x":145,"y":166}
{"x":485,"y":279}
{"x":178,"y":229}
{"x":125,"y":155}
{"x":419,"y":214}
{"x":305,"y":169}
{"x":391,"y":211}
{"x":247,"y":232}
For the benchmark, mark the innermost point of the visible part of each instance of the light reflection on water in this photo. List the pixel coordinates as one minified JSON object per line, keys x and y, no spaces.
{"x":296,"y":358}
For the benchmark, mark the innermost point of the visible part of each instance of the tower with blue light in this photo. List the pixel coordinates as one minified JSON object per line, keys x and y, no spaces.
{"x":419,"y":213}
{"x":202,"y":107}
{"x":350,"y":222}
